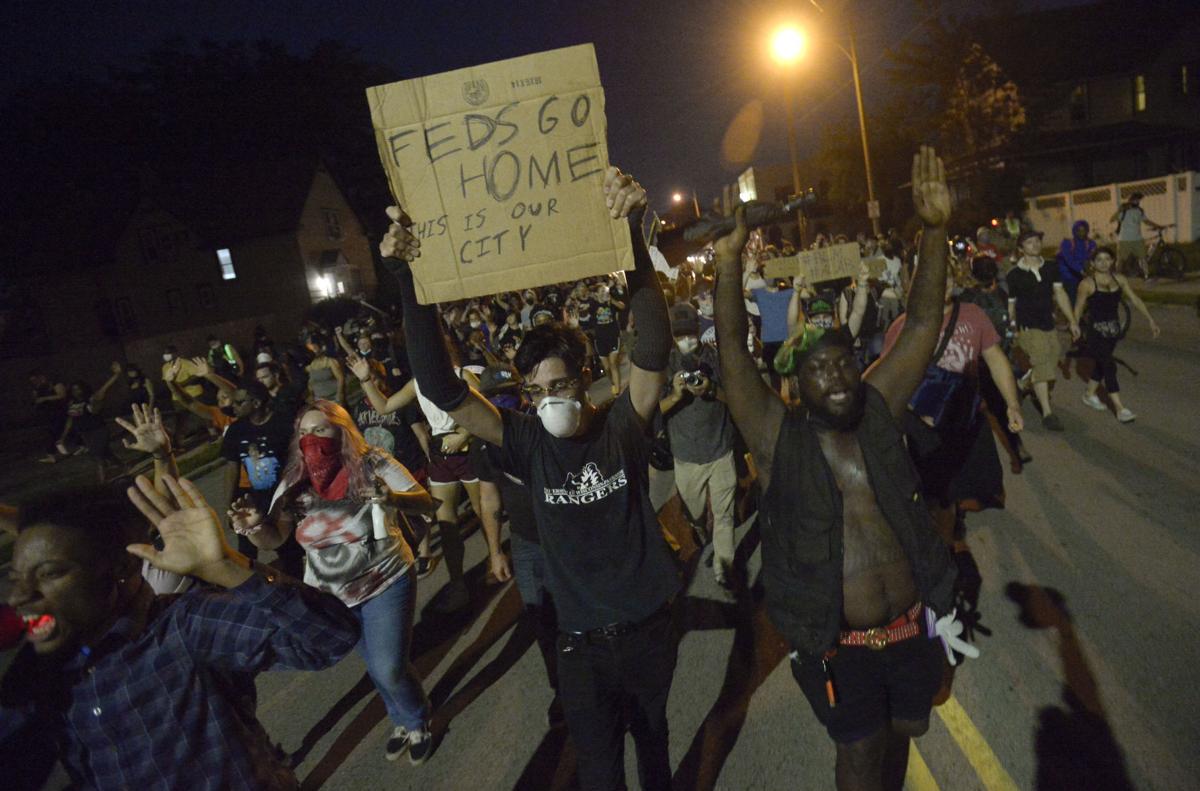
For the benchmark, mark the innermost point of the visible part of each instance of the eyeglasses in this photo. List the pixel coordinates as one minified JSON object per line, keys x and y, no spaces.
{"x":560,"y":389}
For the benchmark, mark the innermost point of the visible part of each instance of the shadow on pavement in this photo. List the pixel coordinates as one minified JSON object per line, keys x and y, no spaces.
{"x":433,"y":638}
{"x":1074,"y":743}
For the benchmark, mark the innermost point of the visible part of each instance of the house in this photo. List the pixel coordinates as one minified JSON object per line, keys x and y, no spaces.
{"x":1112,"y":88}
{"x":211,"y":252}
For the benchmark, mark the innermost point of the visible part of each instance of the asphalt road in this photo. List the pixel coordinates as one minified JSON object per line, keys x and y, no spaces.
{"x":1087,"y":677}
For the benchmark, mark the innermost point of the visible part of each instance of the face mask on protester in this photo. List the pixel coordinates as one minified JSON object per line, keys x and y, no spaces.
{"x":323,"y":459}
{"x":560,"y":416}
{"x":168,"y":357}
{"x":688,"y":344}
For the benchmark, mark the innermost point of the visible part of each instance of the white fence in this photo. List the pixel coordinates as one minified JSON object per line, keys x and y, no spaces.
{"x":1173,"y":199}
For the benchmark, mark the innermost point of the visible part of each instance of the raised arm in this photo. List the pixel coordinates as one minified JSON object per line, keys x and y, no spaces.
{"x":756,"y":409}
{"x":203,"y":369}
{"x":361,"y":369}
{"x":98,"y":397}
{"x":432,"y":367}
{"x":897,"y":374}
{"x":625,"y":198}
{"x":858,"y":310}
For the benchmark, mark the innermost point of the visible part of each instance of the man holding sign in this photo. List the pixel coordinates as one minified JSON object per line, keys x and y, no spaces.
{"x":609,"y":569}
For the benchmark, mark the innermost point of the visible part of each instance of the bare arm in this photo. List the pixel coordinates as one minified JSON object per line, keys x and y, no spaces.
{"x":897,"y":374}
{"x":756,"y":409}
{"x":1137,"y":303}
{"x":340,"y":376}
{"x":1064,"y":304}
{"x":98,"y":397}
{"x":1086,"y":289}
{"x":1002,"y":375}
{"x":859,"y":309}
{"x":794,"y":314}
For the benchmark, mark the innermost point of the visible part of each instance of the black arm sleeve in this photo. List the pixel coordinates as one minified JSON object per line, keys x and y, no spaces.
{"x":427,"y":354}
{"x":646,"y":302}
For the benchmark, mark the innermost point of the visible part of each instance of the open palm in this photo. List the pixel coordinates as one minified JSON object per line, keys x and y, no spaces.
{"x":191,"y":534}
{"x":147,"y":431}
{"x":931,"y":196}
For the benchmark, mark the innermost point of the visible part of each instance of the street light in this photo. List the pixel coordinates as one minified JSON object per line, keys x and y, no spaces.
{"x":787,"y":45}
{"x":852,"y":55}
{"x":677,"y":198}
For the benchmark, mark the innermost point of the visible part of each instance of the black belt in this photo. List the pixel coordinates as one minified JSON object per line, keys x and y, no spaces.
{"x":604,"y":634}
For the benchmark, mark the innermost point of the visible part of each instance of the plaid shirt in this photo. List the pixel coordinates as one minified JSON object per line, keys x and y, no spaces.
{"x":155,"y":704}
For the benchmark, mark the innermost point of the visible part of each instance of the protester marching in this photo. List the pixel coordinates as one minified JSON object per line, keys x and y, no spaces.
{"x":539,"y":391}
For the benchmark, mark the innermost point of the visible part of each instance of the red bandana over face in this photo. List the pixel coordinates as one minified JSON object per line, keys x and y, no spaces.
{"x":323,"y":458}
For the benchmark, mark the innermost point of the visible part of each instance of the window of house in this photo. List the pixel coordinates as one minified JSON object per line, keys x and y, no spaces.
{"x":1139,"y":93}
{"x":333,"y":224}
{"x":225,"y":259}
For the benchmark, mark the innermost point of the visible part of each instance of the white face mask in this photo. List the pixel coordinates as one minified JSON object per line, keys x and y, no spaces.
{"x":560,"y":416}
{"x":475,"y":324}
{"x":688,"y":344}
{"x":168,"y":358}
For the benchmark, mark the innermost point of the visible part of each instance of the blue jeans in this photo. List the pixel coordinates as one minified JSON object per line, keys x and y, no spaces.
{"x":387,"y":622}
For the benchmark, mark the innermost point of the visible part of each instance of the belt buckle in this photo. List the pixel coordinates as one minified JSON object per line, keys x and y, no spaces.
{"x":876,"y":638}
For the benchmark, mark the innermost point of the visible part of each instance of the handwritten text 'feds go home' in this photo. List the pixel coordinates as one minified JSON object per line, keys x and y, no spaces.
{"x":492,"y":150}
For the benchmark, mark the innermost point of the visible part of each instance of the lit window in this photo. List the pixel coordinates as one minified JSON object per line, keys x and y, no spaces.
{"x":333,"y":224}
{"x":1139,"y":93}
{"x":226,"y":262}
{"x":1183,"y":80}
{"x":341,"y":287}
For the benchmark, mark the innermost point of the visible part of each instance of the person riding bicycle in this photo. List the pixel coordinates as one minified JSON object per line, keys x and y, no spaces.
{"x":1129,"y":220}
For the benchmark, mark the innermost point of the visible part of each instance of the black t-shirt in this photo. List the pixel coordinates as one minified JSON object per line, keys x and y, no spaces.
{"x":605,"y":319}
{"x":393,"y":432}
{"x":261,"y":450}
{"x":1035,"y":301}
{"x":514,"y":494}
{"x":289,"y":399}
{"x":606,"y":558}
{"x":509,"y":335}
{"x":617,"y":293}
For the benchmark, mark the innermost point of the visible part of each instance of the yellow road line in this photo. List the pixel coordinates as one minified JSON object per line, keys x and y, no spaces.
{"x":975,"y":747}
{"x":918,"y":776}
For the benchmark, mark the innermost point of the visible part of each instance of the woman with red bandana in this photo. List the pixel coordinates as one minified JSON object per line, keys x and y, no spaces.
{"x":342,"y":498}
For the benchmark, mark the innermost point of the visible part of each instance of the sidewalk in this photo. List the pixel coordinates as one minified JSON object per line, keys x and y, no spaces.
{"x":1167,"y":291}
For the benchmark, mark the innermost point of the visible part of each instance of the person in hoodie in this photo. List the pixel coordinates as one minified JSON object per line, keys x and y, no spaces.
{"x":1073,"y":256}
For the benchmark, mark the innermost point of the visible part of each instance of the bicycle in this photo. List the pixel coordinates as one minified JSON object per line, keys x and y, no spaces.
{"x":1164,"y":259}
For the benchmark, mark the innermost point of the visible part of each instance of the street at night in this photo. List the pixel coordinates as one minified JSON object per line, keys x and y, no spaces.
{"x":695,"y":395}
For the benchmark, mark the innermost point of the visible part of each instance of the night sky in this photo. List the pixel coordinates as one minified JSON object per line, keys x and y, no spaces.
{"x":675,"y":73}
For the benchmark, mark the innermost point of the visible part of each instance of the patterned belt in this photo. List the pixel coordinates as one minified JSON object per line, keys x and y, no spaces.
{"x":878,"y":638}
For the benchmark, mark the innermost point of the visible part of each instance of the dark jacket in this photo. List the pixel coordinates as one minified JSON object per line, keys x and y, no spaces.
{"x":802,"y":526}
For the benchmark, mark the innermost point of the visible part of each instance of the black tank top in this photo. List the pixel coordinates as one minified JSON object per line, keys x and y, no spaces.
{"x":1102,"y":306}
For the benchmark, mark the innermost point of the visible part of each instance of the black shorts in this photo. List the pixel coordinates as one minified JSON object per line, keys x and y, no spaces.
{"x":607,"y":342}
{"x":873,"y":687}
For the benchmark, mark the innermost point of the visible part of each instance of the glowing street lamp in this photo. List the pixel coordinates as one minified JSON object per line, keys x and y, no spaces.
{"x":787,"y":45}
{"x":677,"y":197}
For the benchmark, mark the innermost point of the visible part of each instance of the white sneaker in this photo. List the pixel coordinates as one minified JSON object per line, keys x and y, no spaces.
{"x":1092,"y":400}
{"x":397,"y":743}
{"x":1125,"y":416}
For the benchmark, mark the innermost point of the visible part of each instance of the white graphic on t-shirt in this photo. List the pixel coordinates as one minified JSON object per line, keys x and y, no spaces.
{"x":586,"y":486}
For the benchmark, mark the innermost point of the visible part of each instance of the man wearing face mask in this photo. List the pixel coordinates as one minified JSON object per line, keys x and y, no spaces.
{"x":701,"y":434}
{"x":608,"y":566}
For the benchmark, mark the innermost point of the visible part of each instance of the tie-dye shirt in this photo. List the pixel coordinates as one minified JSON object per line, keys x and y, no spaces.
{"x":345,"y":557}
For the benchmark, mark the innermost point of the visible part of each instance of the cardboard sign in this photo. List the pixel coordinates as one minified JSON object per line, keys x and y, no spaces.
{"x":825,"y":263}
{"x":501,"y":168}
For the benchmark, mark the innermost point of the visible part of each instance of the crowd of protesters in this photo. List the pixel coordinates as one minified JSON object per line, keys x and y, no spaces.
{"x":860,"y":417}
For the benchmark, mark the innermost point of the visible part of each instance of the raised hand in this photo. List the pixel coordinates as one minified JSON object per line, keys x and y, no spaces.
{"x":202,"y":366}
{"x":172,"y":372}
{"x":399,"y":241}
{"x":359,"y":366}
{"x":729,"y":247}
{"x":116,"y":367}
{"x":931,"y":196}
{"x":147,"y":430}
{"x":191,"y":533}
{"x":622,"y":194}
{"x":244,"y":516}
